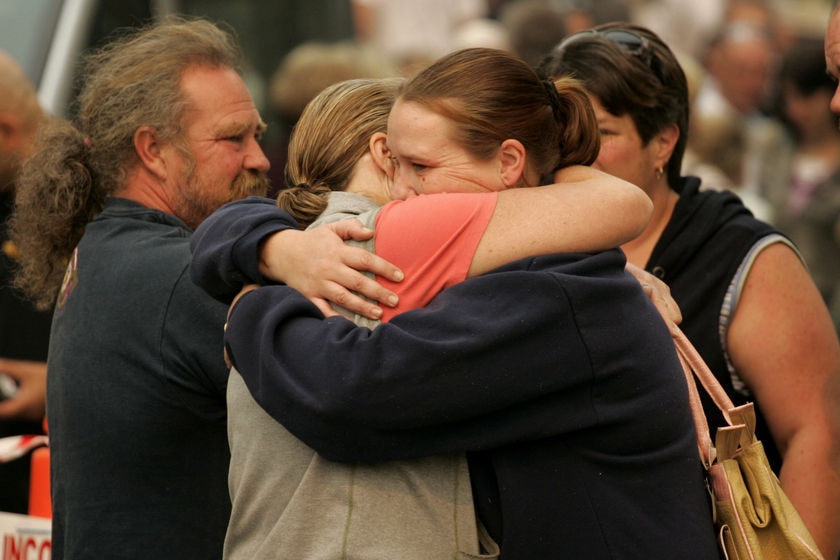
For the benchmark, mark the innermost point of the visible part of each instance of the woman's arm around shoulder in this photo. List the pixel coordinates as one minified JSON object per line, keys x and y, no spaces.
{"x":253,"y":241}
{"x":585,"y":211}
{"x":225,"y":245}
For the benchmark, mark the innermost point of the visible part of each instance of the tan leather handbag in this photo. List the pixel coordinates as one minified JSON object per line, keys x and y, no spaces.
{"x":754,"y":518}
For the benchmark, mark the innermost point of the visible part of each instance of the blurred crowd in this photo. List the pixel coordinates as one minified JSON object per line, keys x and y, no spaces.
{"x":760,"y":121}
{"x":759,"y":125}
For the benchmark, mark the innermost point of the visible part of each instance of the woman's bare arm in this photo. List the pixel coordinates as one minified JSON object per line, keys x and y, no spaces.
{"x":784,"y":346}
{"x":585,"y":211}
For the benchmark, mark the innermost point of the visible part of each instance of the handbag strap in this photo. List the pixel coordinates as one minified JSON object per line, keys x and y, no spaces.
{"x":695,"y":367}
{"x":701,"y":425}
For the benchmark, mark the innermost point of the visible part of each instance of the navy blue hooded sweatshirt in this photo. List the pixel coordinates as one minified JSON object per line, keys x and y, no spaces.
{"x":556,"y":374}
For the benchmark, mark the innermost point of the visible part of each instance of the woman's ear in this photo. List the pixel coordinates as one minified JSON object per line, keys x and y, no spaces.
{"x":512,"y":158}
{"x":665,"y":140}
{"x":380,"y":153}
{"x":148,"y":151}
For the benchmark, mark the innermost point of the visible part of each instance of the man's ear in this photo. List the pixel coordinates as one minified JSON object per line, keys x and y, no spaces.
{"x":512,"y":157}
{"x":149,"y":151}
{"x":380,"y":153}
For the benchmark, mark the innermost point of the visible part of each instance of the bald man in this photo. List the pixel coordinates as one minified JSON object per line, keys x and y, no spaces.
{"x":24,"y":332}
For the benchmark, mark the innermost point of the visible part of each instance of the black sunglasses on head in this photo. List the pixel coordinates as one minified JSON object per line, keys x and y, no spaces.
{"x":629,"y":41}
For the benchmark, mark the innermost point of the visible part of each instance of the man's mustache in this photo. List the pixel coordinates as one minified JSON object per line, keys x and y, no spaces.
{"x":250,"y":183}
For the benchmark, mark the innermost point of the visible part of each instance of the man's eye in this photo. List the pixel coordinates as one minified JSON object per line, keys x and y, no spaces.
{"x":419,"y":166}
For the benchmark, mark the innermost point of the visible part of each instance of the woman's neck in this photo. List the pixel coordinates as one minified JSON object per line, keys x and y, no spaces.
{"x":638,"y":250}
{"x":368,"y":180}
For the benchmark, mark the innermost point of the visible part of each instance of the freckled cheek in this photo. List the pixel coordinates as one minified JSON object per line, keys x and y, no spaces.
{"x":434,"y":183}
{"x":608,"y":158}
{"x":622,"y":163}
